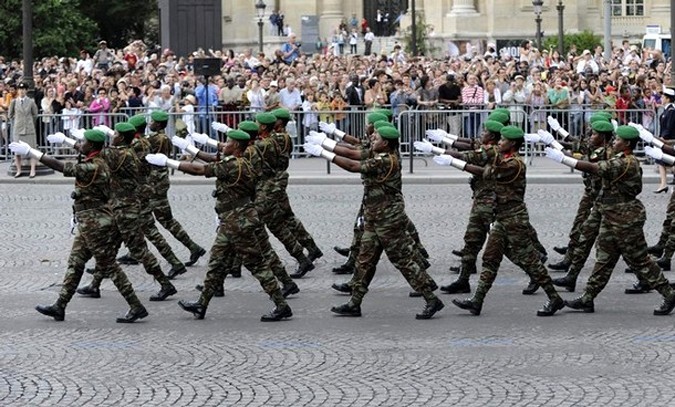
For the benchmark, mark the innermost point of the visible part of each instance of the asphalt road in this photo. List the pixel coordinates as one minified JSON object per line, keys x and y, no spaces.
{"x":621,"y":355}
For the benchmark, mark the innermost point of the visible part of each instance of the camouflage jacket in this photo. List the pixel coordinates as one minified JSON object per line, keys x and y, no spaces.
{"x":159,"y":176}
{"x":235,"y":182}
{"x":621,"y":184}
{"x":593,"y":182}
{"x":483,"y":189}
{"x":381,"y":178}
{"x":285,"y":147}
{"x":127,"y":176}
{"x":508,"y":174}
{"x":92,"y":182}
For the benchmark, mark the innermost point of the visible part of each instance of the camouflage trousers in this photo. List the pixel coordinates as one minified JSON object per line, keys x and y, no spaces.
{"x":667,"y":237}
{"x":161,"y":208}
{"x":237,"y":236}
{"x":588,"y":232}
{"x":280,"y":196}
{"x":511,"y":236}
{"x":129,"y":230}
{"x":382,"y":233}
{"x":274,"y":218}
{"x":583,"y":212}
{"x":627,"y":239}
{"x":151,"y":232}
{"x":95,"y":232}
{"x":477,"y":230}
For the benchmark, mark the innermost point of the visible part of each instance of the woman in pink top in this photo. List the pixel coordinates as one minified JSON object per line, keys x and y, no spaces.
{"x":100,"y":105}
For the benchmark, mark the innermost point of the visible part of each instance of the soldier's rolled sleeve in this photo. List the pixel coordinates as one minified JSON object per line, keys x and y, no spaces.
{"x":78,"y":170}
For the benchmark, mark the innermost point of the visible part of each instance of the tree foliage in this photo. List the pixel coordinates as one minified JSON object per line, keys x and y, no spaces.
{"x":583,"y":40}
{"x":62,"y":27}
{"x":422,"y":30}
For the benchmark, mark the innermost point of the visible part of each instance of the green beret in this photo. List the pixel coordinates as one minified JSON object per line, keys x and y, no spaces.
{"x":125,"y":127}
{"x":598,"y":118}
{"x":159,"y":116}
{"x":493,"y":126}
{"x":376,"y":117}
{"x":95,"y":136}
{"x":248,"y":125}
{"x":238,"y":135}
{"x":386,"y":112}
{"x":281,"y":113}
{"x":501,"y":110}
{"x":382,"y":123}
{"x":388,"y":132}
{"x":266,"y":118}
{"x":602,"y":126}
{"x":500,"y":117}
{"x":512,"y":132}
{"x":137,"y":121}
{"x":607,"y":115}
{"x":627,"y":132}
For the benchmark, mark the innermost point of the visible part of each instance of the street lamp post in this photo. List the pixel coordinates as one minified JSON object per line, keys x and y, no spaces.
{"x":260,"y":9}
{"x":560,"y":7}
{"x":537,"y":4}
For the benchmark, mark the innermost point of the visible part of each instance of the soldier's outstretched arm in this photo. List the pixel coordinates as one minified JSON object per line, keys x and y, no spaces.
{"x":351,"y":165}
{"x":24,"y":149}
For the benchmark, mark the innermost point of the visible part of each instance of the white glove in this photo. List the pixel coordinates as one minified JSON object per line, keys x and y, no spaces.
{"x":445,"y":159}
{"x":327,"y":128}
{"x":436,"y":135}
{"x":315,"y":137}
{"x":318,"y":151}
{"x":181,"y":143}
{"x":77,"y":133}
{"x":548,"y":139}
{"x":59,"y":137}
{"x":107,"y":130}
{"x":615,"y":124}
{"x":532,"y":137}
{"x":221,"y":127}
{"x":553,"y":122}
{"x":637,"y":126}
{"x":557,"y":155}
{"x":204,"y":139}
{"x":157,"y":159}
{"x":426,"y":147}
{"x":655,"y":153}
{"x":20,"y":148}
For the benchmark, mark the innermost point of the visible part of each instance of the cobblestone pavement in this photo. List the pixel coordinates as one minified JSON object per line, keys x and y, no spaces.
{"x":621,"y":355}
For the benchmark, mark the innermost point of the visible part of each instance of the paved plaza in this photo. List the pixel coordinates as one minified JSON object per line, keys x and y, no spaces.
{"x":619,"y":356}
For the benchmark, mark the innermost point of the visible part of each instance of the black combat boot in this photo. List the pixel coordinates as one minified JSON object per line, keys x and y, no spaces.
{"x":127,"y":259}
{"x":567,"y":282}
{"x":194,"y":256}
{"x":55,"y":311}
{"x":560,"y":250}
{"x":531,"y":288}
{"x":562,"y":265}
{"x":133,"y":315}
{"x":218,"y":292}
{"x":89,"y":291}
{"x":655,"y":250}
{"x":277,"y":314}
{"x":164,"y":293}
{"x":458,"y":253}
{"x":342,"y":251}
{"x":348,"y":309}
{"x":416,"y":294}
{"x":304,"y":267}
{"x":457,"y":287}
{"x":581,"y":305}
{"x":638,"y":288}
{"x":665,"y":308}
{"x":551,"y":307}
{"x":314,"y":253}
{"x":347,"y":268}
{"x":289,"y":289}
{"x":342,"y":287}
{"x":176,"y":271}
{"x":430,"y":309}
{"x":664,"y":263}
{"x":469,"y":304}
{"x":197,"y":309}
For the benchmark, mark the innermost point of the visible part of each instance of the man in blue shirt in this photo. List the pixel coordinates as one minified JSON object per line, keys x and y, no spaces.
{"x":290,"y":50}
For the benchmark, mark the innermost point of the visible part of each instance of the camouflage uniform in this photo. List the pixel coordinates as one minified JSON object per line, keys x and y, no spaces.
{"x":510,"y":234}
{"x":96,"y":231}
{"x":620,"y":234}
{"x":239,"y":223}
{"x":159,"y":202}
{"x":384,"y":218}
{"x":666,"y":239}
{"x":126,"y":177}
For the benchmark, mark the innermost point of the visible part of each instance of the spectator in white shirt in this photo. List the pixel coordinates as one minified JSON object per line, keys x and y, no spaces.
{"x":587,"y":61}
{"x":290,"y":96}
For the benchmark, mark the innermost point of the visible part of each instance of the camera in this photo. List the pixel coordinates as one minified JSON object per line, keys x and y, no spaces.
{"x":297,"y":44}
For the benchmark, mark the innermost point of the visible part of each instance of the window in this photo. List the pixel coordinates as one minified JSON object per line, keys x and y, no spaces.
{"x":628,"y":8}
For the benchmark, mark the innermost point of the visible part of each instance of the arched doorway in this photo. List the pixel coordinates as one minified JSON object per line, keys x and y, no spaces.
{"x":389,"y":11}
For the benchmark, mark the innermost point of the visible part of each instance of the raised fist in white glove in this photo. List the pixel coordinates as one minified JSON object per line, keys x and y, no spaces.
{"x":655,"y":153}
{"x":637,"y":126}
{"x":57,"y":137}
{"x":107,"y":130}
{"x":19,"y":147}
{"x":200,"y":138}
{"x":157,"y":159}
{"x":554,"y":154}
{"x":313,"y":149}
{"x":77,"y":133}
{"x":315,"y":137}
{"x":436,"y":135}
{"x":221,"y":127}
{"x":615,"y":124}
{"x":443,"y":159}
{"x":532,"y":138}
{"x":545,"y":137}
{"x":423,"y":146}
{"x":553,"y":122}
{"x":328,"y":128}
{"x":181,"y":143}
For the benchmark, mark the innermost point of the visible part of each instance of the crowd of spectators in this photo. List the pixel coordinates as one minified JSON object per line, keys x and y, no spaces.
{"x":73,"y":92}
